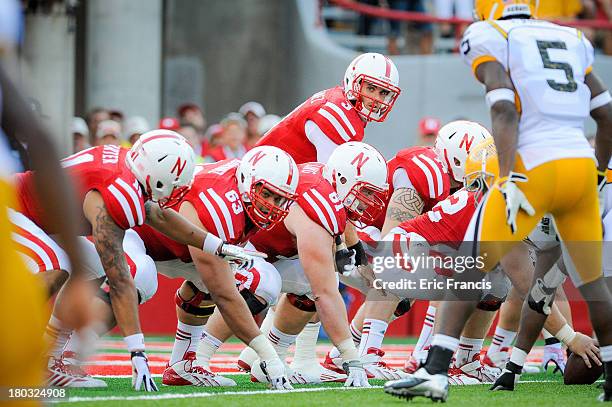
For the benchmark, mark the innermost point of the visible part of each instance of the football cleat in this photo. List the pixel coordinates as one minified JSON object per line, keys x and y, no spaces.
{"x":246,"y":359}
{"x":334,"y":364}
{"x":497,"y":359}
{"x":377,"y":369}
{"x":475,"y":369}
{"x":62,"y":373}
{"x":413,"y":363}
{"x":421,"y":383}
{"x":313,"y":373}
{"x":506,"y":381}
{"x":189,"y":372}
{"x":531,"y":368}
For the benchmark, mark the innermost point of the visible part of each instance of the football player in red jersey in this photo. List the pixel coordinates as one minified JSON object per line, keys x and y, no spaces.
{"x":419,"y":178}
{"x":118,"y":189}
{"x":301,"y":249}
{"x":312,"y":131}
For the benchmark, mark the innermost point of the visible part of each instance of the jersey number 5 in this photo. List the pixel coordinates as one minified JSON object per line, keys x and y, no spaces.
{"x":543,"y":47}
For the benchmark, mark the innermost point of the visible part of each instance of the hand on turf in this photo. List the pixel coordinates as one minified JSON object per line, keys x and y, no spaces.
{"x":357,"y":376}
{"x":555,"y":356}
{"x":274,"y":370}
{"x":515,"y":198}
{"x":586,"y":348}
{"x":141,"y":376}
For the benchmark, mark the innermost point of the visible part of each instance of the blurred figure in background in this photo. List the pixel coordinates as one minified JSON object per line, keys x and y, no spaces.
{"x":80,"y":135}
{"x":453,"y":8}
{"x":428,"y":130}
{"x":135,"y":126}
{"x":190,"y":113}
{"x":267,"y":122}
{"x":424,"y":31}
{"x":559,"y":9}
{"x":193,"y":139}
{"x":232,"y":141}
{"x":117,"y":115}
{"x":252,"y":112}
{"x":94,"y":117}
{"x":108,"y":133}
{"x":211,"y":140}
{"x":169,"y":123}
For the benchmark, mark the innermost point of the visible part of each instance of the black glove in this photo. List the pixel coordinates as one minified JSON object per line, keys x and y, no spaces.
{"x":361,"y":259}
{"x":345,"y":258}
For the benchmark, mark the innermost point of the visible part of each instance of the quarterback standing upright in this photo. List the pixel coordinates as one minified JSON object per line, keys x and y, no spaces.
{"x":331,"y":117}
{"x":540,"y":88}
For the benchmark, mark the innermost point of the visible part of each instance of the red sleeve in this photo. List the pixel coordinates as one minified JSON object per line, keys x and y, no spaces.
{"x":427,"y":175}
{"x":322,"y":205}
{"x":334,"y":121}
{"x":123,"y":203}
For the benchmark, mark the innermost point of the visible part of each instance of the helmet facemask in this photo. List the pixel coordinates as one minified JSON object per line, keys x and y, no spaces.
{"x":364,"y":202}
{"x":383,"y":107}
{"x":166,"y":201}
{"x":263,"y":213}
{"x":480,"y":182}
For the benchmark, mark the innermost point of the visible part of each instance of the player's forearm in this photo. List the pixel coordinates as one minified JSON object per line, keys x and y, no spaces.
{"x":175,"y":226}
{"x":52,"y":186}
{"x":504,"y":118}
{"x":555,"y":320}
{"x":405,"y":204}
{"x":332,"y":312}
{"x":124,"y":300}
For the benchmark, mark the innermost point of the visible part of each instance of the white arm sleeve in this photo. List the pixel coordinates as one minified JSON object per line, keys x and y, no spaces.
{"x":401,"y":180}
{"x":320,"y":141}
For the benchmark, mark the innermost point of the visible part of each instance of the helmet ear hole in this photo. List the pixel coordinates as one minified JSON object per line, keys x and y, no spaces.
{"x":343,"y":180}
{"x":159,"y":184}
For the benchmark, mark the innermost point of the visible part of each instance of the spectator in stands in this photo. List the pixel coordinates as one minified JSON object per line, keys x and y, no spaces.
{"x":135,"y":126}
{"x":232,"y":141}
{"x":193,"y":138}
{"x":117,"y":116}
{"x":190,"y":113}
{"x":94,"y":117}
{"x":211,"y":140}
{"x":267,"y":122}
{"x":453,"y":8}
{"x":428,"y":130}
{"x":169,"y":123}
{"x":423,"y":30}
{"x":80,"y":135}
{"x":108,"y":132}
{"x":252,"y":112}
{"x":365,"y":22}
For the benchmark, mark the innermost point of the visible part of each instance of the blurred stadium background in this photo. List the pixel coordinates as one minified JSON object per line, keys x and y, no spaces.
{"x":158,"y":60}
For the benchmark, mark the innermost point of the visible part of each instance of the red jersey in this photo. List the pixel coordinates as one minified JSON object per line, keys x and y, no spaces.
{"x":427,"y":175}
{"x":215,"y":197}
{"x":328,"y":109}
{"x":101,"y":168}
{"x":447,"y":222}
{"x":318,"y":199}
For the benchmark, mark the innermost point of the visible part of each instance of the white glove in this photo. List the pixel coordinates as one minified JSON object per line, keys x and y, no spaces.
{"x":240,"y":256}
{"x":357,"y":376}
{"x":274,"y":370}
{"x":141,"y":376}
{"x":515,"y":199}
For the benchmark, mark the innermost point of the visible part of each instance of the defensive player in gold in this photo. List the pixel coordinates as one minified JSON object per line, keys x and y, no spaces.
{"x":23,"y":311}
{"x":540,"y":88}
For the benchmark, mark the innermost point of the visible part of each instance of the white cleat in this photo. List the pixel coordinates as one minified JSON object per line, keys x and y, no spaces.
{"x":246,"y":359}
{"x":64,"y":374}
{"x":531,"y":368}
{"x":313,"y":373}
{"x":377,"y":369}
{"x":421,"y":383}
{"x":189,"y":372}
{"x":477,"y":371}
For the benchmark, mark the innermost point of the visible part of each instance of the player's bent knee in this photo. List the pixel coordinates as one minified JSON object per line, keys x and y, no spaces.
{"x":302,"y":302}
{"x":199,"y":304}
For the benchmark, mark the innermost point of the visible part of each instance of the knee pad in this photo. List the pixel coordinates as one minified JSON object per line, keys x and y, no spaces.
{"x":193,"y":305}
{"x":254,"y":304}
{"x":402,"y":308}
{"x":302,"y":302}
{"x":490,"y":303}
{"x":145,"y":278}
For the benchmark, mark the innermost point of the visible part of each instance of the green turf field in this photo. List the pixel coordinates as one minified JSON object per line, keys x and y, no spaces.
{"x":550,"y":391}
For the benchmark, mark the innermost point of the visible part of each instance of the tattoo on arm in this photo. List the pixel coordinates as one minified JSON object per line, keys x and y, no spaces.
{"x":108,"y":239}
{"x":405,"y":204}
